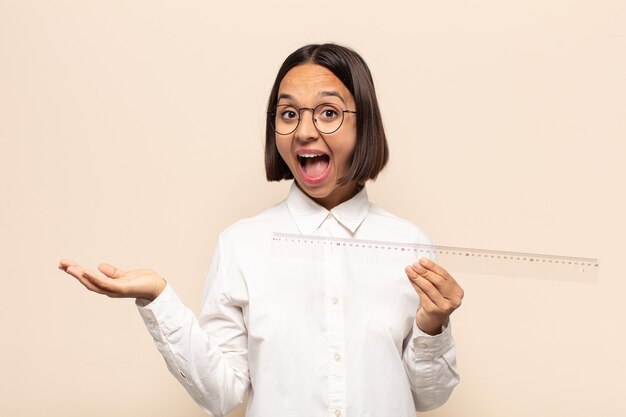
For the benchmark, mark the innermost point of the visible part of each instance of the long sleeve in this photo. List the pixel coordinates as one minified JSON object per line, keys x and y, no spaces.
{"x":307,"y":328}
{"x":430,"y":363}
{"x":207,"y":356}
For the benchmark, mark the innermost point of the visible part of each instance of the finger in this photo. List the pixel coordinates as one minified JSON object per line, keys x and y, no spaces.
{"x":414,"y":275}
{"x":108,"y":286}
{"x":74,"y":270}
{"x":426,"y":286}
{"x":429,"y":274}
{"x":425,"y":301}
{"x":438,"y":269}
{"x":450,"y":288}
{"x":428,"y":308}
{"x":411,"y":273}
{"x":432,"y":292}
{"x":444,"y":282}
{"x":448,"y":297}
{"x":110,"y":271}
{"x":65,"y":263}
{"x":78,"y":272}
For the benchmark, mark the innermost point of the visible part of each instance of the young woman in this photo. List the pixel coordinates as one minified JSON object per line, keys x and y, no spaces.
{"x":304,"y":339}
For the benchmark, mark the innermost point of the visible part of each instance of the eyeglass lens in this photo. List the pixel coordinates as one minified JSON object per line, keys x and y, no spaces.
{"x":327,"y":118}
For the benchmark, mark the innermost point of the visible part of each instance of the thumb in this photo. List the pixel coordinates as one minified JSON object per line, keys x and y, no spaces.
{"x":110,"y":271}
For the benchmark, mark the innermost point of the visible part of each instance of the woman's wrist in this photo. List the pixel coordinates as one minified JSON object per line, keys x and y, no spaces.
{"x":160,"y":287}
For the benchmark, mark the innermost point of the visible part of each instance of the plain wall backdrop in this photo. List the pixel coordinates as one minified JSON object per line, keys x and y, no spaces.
{"x":132,"y":132}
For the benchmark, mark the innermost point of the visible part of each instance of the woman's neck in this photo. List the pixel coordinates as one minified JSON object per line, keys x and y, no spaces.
{"x":340,"y":194}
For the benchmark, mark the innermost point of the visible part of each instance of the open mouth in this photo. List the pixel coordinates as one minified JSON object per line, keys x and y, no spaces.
{"x":314,"y":165}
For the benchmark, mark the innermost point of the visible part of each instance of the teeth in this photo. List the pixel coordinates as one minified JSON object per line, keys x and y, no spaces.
{"x":309,"y":155}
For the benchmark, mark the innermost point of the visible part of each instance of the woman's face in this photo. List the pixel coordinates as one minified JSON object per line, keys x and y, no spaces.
{"x":318,"y":160}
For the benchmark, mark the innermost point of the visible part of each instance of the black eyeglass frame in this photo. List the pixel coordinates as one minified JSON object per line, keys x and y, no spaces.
{"x":312,"y":109}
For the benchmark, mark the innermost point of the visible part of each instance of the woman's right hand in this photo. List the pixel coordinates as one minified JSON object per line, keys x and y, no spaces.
{"x":139,"y":283}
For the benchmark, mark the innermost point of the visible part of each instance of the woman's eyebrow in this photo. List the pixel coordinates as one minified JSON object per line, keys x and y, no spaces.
{"x":285,"y":96}
{"x":332,"y":94}
{"x":321,"y":94}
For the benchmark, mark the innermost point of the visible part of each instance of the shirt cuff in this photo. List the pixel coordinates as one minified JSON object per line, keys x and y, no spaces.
{"x":163,"y":315}
{"x":427,"y":347}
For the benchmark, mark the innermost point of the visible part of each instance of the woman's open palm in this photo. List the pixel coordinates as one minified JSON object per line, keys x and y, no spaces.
{"x":139,"y":283}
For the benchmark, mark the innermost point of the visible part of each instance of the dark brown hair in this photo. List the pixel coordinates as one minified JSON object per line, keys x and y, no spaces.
{"x":371,"y":152}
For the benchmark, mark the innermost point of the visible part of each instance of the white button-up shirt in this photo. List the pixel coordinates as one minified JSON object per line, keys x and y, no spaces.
{"x":305,"y":338}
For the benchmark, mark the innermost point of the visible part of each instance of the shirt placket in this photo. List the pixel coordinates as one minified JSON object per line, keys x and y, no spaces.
{"x":335,"y":323}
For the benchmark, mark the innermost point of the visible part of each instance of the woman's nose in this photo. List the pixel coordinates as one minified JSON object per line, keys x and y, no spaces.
{"x":306,"y":130}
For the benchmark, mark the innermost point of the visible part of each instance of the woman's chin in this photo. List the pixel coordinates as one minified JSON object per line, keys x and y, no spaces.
{"x":328,"y":194}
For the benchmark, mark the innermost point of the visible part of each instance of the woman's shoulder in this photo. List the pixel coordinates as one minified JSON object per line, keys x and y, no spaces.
{"x":257,"y":226}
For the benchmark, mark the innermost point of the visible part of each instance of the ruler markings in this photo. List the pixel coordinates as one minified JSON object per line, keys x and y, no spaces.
{"x":473,"y":260}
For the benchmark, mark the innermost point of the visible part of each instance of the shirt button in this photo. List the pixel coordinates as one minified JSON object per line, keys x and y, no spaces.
{"x":337,"y":412}
{"x":335,"y":300}
{"x":422,"y":346}
{"x":337,"y":357}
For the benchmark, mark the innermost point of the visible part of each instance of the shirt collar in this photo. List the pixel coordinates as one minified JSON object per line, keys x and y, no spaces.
{"x":309,"y":215}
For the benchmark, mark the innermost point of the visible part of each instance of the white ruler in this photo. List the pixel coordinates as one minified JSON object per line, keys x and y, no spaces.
{"x":454,"y":259}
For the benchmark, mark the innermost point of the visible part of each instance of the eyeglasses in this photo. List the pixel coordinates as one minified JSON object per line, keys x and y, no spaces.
{"x":327,"y":118}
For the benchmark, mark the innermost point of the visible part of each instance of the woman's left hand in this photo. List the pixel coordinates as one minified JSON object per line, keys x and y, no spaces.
{"x":439,"y":294}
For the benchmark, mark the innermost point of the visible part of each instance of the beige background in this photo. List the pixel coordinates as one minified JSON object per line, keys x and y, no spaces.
{"x":131,"y":132}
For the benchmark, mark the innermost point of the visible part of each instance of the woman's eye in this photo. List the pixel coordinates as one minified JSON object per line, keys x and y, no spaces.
{"x":288,"y":115}
{"x":329,"y":113}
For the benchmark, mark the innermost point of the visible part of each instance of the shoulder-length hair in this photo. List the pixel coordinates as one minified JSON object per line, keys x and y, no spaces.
{"x":371,"y":152}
